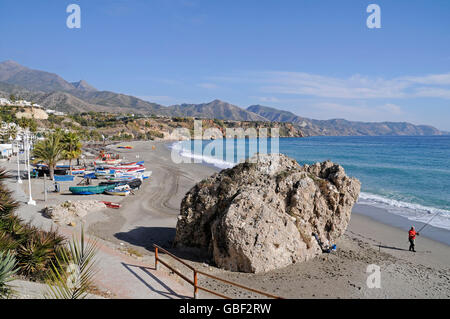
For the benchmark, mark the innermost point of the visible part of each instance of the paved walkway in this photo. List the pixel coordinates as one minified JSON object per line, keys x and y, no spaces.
{"x":119,"y":274}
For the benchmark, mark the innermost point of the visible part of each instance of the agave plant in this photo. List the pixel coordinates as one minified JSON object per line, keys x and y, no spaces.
{"x":36,"y":255}
{"x":34,"y":249}
{"x":72,"y":274}
{"x":7,"y":203}
{"x":7,"y":265}
{"x":7,"y":242}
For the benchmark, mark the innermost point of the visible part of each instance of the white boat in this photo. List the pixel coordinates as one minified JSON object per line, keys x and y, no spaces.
{"x":108,"y":162}
{"x":123,"y":190}
{"x":147,"y":174}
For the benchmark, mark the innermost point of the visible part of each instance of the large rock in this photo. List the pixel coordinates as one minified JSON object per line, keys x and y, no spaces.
{"x":260,"y":216}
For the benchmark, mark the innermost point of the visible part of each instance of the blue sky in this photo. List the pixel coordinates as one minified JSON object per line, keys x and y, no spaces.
{"x":314,"y":58}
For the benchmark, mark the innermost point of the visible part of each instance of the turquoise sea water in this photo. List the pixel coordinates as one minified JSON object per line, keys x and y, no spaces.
{"x":408,"y":176}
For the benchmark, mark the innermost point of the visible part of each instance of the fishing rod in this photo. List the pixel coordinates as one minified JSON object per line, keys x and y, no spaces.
{"x":428,"y":222}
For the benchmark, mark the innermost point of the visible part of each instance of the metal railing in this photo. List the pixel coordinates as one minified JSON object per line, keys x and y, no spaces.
{"x":194,"y":281}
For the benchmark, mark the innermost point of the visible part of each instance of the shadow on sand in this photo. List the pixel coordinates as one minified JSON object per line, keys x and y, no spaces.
{"x":393,"y":248}
{"x":162,"y":236}
{"x":147,"y":236}
{"x":167,"y":292}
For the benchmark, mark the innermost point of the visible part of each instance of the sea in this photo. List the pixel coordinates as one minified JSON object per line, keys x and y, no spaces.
{"x":405,"y":175}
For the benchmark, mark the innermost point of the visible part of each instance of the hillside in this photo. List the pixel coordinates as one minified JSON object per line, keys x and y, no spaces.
{"x":215,"y":110}
{"x":54,"y":92}
{"x":341,"y":127}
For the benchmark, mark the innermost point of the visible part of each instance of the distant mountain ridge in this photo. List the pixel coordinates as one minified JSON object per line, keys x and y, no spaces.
{"x":52,"y":91}
{"x":215,"y":109}
{"x":339,"y":127}
{"x":83,"y":85}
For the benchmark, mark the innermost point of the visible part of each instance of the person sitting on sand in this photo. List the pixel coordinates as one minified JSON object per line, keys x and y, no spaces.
{"x":412,"y":237}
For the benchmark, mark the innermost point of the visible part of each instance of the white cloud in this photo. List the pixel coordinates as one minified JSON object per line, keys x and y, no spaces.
{"x":360,"y":110}
{"x":357,"y":86}
{"x":353,"y":87}
{"x":433,"y":92}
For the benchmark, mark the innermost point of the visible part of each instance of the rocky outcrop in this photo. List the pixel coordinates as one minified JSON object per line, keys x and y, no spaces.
{"x":71,"y":212}
{"x":262,"y":215}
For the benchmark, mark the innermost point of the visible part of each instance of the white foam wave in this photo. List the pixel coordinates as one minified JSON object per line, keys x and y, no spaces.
{"x":411,"y":211}
{"x":217,"y":162}
{"x":439,"y":217}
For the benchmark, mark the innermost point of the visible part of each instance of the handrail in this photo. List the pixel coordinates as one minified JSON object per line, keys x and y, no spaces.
{"x":194,"y":282}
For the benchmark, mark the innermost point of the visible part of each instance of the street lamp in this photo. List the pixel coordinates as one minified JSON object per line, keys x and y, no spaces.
{"x":27,"y":150}
{"x":19,"y":180}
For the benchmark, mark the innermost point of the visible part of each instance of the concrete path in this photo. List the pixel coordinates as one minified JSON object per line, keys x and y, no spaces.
{"x":120,"y":275}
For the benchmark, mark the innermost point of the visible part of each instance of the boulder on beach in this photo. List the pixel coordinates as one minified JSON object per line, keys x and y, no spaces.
{"x":68,"y":212}
{"x":267,"y":213}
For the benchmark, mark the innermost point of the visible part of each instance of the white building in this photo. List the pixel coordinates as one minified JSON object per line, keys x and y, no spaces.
{"x":4,"y":101}
{"x":6,"y":150}
{"x":54,"y":112}
{"x":22,"y":103}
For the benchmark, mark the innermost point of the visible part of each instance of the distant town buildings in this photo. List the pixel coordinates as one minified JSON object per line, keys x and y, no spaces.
{"x":24,"y":103}
{"x":6,"y":150}
{"x":4,"y":101}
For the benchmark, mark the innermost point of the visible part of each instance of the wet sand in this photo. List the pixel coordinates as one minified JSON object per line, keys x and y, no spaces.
{"x":150,"y":217}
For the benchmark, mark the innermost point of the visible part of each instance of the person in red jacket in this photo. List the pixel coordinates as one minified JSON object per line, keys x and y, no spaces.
{"x":412,"y":238}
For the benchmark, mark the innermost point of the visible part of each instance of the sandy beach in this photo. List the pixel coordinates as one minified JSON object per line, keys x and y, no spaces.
{"x":150,"y":217}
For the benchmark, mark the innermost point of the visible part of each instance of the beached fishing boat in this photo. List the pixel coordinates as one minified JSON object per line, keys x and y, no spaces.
{"x":147,"y":174}
{"x":43,"y":169}
{"x":118,"y":176}
{"x":121,"y":167}
{"x":104,"y":173}
{"x":64,"y":178}
{"x":90,"y":175}
{"x":123,"y":190}
{"x":118,"y":192}
{"x":78,"y":171}
{"x":115,"y":183}
{"x":90,"y":190}
{"x":121,"y":179}
{"x":125,"y":165}
{"x":135,"y":183}
{"x":112,"y":205}
{"x":108,"y":162}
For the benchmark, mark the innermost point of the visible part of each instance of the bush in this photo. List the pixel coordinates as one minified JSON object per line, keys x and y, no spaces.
{"x":34,"y":249}
{"x":7,"y":265}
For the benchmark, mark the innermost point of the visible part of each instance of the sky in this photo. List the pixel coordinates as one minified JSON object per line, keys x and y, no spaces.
{"x":315,"y":58}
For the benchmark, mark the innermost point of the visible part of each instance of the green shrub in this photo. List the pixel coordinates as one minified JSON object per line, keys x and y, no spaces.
{"x":7,"y":270}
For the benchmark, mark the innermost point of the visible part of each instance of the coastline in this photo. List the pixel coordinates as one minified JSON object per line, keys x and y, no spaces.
{"x":150,"y":217}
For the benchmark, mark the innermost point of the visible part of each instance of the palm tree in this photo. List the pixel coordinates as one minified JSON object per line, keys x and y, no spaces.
{"x":50,"y":151}
{"x":72,"y":147}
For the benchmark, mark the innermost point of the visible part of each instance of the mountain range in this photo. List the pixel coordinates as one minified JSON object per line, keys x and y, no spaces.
{"x":52,"y":91}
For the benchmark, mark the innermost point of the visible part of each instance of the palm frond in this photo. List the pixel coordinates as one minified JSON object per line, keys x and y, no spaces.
{"x":74,"y":270}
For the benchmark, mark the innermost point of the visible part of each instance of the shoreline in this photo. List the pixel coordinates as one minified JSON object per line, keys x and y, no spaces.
{"x":150,"y":217}
{"x":376,"y":213}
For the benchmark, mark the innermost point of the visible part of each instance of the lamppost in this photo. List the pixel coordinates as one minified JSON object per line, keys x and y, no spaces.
{"x":27,"y":150}
{"x":19,"y":180}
